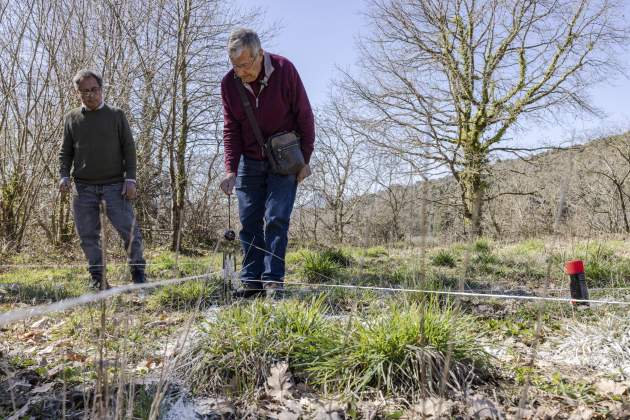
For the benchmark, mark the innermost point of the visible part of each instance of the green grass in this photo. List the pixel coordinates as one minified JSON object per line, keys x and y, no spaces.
{"x":386,"y":351}
{"x":443,"y":258}
{"x":393,"y":348}
{"x":556,"y":384}
{"x":37,"y":286}
{"x":602,"y":266}
{"x":166,"y":265}
{"x":318,"y":267}
{"x":375,"y":252}
{"x":188,"y":295}
{"x":482,"y":246}
{"x":295,"y":258}
{"x":527,"y":247}
{"x":338,"y":256}
{"x":341,"y":300}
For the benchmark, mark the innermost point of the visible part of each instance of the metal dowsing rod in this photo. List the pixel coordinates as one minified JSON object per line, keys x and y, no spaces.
{"x":229,"y":258}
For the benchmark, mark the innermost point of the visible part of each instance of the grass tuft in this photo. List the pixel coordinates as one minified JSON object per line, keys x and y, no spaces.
{"x":318,"y":267}
{"x":443,"y":258}
{"x":184,"y":296}
{"x":482,"y":246}
{"x":338,"y":256}
{"x":397,"y":349}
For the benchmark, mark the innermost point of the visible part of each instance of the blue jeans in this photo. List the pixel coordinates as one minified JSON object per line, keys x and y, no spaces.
{"x":88,"y":223}
{"x":265,"y":202}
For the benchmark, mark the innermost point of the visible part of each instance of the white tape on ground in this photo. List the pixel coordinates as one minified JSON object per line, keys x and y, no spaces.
{"x":25,"y":313}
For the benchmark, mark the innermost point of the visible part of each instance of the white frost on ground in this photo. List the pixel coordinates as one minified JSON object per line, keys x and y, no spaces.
{"x":603,"y":346}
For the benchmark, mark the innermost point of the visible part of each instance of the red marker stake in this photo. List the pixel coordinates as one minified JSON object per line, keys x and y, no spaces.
{"x":579,"y":291}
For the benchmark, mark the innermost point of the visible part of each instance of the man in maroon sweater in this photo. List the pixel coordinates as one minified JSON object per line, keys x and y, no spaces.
{"x":265,"y":199}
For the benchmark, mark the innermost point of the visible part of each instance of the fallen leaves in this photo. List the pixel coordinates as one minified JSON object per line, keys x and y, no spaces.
{"x":279,"y":382}
{"x":608,"y":387}
{"x":74,"y":357}
{"x":432,"y":407}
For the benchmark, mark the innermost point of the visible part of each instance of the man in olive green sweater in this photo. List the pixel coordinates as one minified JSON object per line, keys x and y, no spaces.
{"x":98,"y":143}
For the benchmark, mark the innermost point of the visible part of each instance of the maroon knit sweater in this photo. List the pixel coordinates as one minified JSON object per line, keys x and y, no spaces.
{"x":280,"y":104}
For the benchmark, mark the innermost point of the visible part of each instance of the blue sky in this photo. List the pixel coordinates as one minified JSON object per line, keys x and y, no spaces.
{"x":319,"y":35}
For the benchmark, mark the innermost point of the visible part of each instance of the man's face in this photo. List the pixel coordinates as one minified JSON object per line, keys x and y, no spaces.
{"x":90,"y":93}
{"x":248,"y":66}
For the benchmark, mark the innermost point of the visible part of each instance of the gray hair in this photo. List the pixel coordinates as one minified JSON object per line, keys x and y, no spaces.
{"x":242,"y":38}
{"x":84,"y":74}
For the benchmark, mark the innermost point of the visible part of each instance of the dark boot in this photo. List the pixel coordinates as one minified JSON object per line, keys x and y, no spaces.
{"x":274,"y":289}
{"x":249,"y":290}
{"x":96,"y":282}
{"x":138,"y":277}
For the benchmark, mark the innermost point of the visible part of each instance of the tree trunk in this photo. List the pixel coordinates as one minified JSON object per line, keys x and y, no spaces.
{"x":179,"y":176}
{"x":622,"y":202}
{"x":473,"y":186}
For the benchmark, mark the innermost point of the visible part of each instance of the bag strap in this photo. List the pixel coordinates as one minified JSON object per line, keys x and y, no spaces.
{"x":250,"y":113}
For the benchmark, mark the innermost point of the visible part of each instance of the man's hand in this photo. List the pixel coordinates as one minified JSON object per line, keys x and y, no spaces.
{"x":129,"y":190}
{"x":227,"y":185}
{"x":64,"y":186}
{"x":304,"y":173}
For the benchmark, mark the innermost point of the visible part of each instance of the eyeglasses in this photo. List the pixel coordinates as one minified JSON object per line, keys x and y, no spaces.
{"x":90,"y":92}
{"x":245,"y":66}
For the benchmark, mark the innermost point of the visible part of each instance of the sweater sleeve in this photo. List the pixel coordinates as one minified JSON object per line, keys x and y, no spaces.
{"x":232,"y":141}
{"x":303,"y":114}
{"x":66,"y":153}
{"x":128,"y":147}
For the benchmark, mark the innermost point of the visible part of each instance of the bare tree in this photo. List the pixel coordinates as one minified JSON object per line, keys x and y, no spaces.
{"x":446,"y":80}
{"x":162,"y":63}
{"x":393,"y":180}
{"x":30,"y":36}
{"x":613,"y":159}
{"x":337,"y":165}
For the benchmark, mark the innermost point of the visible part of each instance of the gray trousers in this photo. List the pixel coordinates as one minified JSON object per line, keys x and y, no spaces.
{"x":86,"y":207}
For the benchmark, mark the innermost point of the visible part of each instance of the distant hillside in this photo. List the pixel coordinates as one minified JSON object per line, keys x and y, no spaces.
{"x":582,"y":190}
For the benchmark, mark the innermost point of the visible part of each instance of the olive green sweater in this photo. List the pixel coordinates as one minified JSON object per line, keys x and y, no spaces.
{"x":99,"y":145}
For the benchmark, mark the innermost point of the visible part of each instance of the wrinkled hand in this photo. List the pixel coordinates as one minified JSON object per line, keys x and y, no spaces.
{"x":227,"y":185}
{"x":64,"y":186}
{"x":305,"y":172}
{"x":129,"y":191}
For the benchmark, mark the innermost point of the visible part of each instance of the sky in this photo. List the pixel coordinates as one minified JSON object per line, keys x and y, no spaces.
{"x":319,"y":36}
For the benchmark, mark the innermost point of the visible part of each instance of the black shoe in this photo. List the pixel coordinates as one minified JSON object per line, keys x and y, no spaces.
{"x":96,"y":283}
{"x":138,"y":277}
{"x":274,"y":290}
{"x":249,"y":290}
